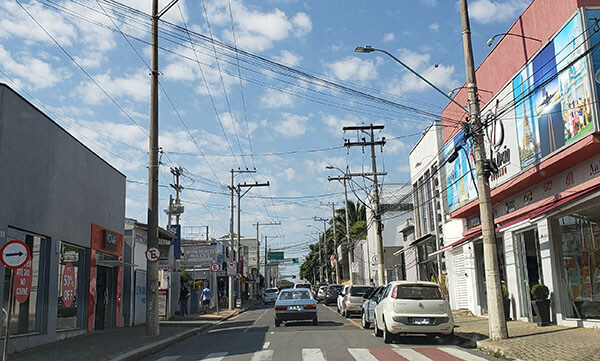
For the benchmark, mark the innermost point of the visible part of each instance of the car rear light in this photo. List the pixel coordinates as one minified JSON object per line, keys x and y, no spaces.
{"x":328,"y":292}
{"x":395,"y":292}
{"x":281,"y":307}
{"x":310,"y":307}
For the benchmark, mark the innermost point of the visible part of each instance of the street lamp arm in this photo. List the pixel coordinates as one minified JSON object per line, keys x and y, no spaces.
{"x":491,"y":40}
{"x":369,"y":49}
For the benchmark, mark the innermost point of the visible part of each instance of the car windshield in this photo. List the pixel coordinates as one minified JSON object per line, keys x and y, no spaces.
{"x":336,"y":288}
{"x":302,"y":285}
{"x":271,"y":290}
{"x":322,"y":288}
{"x":418,"y":292}
{"x":295,"y":295}
{"x":360,"y":291}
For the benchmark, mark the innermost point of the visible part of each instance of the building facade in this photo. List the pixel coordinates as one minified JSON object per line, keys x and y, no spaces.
{"x":68,"y":205}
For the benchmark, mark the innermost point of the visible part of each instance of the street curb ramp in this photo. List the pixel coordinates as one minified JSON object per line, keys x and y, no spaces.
{"x":152,"y":348}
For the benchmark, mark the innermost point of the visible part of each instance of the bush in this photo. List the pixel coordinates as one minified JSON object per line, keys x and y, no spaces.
{"x":444,"y":285}
{"x":539,"y":292}
{"x":504,"y":291}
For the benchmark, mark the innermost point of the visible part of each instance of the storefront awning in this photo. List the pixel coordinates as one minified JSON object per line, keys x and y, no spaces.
{"x":457,"y":243}
{"x":421,"y":239}
{"x":113,"y":263}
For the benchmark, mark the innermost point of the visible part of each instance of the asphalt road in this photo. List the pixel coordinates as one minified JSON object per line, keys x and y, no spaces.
{"x":253,"y":336}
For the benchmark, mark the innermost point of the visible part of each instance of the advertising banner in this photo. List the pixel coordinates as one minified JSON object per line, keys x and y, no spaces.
{"x":176,"y":242}
{"x":199,"y":255}
{"x":460,"y":173}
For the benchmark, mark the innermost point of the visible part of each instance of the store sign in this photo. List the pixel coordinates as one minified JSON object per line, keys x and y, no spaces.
{"x":110,"y":240}
{"x":68,"y":284}
{"x":162,"y":302}
{"x":22,"y":282}
{"x":199,"y":255}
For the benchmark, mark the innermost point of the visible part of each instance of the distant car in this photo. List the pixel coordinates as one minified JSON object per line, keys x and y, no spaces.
{"x":413,"y":308}
{"x":270,"y":295}
{"x":295,"y":305}
{"x":331,"y":293}
{"x":352,"y":299}
{"x":321,"y":293}
{"x":368,"y":307}
{"x":305,"y":285}
{"x":340,"y":298}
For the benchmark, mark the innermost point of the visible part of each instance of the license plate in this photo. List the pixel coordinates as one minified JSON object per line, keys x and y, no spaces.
{"x":420,"y":321}
{"x":295,"y":308}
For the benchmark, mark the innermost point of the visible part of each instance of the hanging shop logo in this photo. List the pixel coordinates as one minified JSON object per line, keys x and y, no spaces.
{"x":595,"y":168}
{"x":109,"y":240}
{"x":527,"y":197}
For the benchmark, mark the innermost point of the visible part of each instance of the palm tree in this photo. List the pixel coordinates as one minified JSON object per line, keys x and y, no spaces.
{"x":356,"y":214}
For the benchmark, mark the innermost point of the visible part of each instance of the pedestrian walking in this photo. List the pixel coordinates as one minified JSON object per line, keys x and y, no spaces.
{"x":184,"y":294}
{"x":206,"y":298}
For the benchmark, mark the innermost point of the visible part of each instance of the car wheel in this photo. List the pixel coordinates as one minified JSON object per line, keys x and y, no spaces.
{"x":277,"y":322}
{"x":315,"y":321}
{"x":346,"y":313}
{"x":365,"y":324}
{"x":376,"y":331}
{"x":387,"y":336}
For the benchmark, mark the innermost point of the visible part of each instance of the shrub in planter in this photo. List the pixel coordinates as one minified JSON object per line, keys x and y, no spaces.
{"x":541,"y":303}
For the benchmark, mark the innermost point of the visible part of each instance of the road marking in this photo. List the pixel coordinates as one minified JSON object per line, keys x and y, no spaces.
{"x":361,"y":354}
{"x":266,"y":345}
{"x":312,"y":354}
{"x":254,"y":323}
{"x":216,"y":356}
{"x":347,"y":319}
{"x":461,"y":354}
{"x":264,"y":355}
{"x":410,"y":354}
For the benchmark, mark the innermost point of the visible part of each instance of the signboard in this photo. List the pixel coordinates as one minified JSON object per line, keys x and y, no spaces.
{"x":162,"y":302}
{"x":238,"y":302}
{"x":14,"y":254}
{"x":275,"y":255}
{"x":152,"y":254}
{"x":354,"y":267}
{"x":374,"y":260}
{"x":176,"y":241}
{"x":215,"y":267}
{"x":231,"y":265}
{"x":110,"y":240}
{"x":199,"y":255}
{"x":22,"y":282}
{"x":68,"y":284}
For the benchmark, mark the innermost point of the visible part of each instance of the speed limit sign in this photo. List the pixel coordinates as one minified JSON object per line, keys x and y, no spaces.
{"x":215,"y":267}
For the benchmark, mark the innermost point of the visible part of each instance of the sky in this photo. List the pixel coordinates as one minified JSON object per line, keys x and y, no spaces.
{"x":277,"y":106}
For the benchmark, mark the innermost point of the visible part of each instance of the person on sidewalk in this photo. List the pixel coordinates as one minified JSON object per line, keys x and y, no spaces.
{"x":184,"y":294}
{"x":206,"y":298}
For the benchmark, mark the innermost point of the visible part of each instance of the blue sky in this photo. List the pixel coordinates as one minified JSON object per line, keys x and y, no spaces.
{"x":271,"y":112}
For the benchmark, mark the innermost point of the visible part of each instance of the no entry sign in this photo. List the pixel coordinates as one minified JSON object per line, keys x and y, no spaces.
{"x":22,"y":282}
{"x":14,"y":254}
{"x":68,"y":285}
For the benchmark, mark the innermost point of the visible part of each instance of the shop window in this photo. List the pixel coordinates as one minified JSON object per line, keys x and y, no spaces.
{"x":580,"y":240}
{"x":70,"y":287}
{"x":428,"y":267}
{"x":27,"y":316}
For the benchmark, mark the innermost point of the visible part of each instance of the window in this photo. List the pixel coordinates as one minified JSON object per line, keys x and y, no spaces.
{"x":386,"y":292}
{"x":70,"y":287}
{"x":417,"y":292}
{"x":360,"y":291}
{"x":26,"y":317}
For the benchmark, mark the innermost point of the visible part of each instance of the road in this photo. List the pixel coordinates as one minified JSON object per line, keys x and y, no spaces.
{"x":253,"y":336}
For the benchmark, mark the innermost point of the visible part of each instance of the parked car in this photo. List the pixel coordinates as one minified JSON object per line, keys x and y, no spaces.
{"x":340,"y":298}
{"x":368,"y":307}
{"x":321,"y":293}
{"x":413,"y":308}
{"x":295,"y":304}
{"x":331,"y":293}
{"x":270,"y":295}
{"x":352,"y":299}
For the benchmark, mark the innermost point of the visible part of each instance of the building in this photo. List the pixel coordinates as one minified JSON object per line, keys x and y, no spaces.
{"x":67,"y":204}
{"x":540,"y":104}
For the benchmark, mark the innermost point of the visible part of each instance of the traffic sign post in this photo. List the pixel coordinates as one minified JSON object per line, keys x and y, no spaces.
{"x":14,"y":254}
{"x":215,"y":267}
{"x":152,"y":254}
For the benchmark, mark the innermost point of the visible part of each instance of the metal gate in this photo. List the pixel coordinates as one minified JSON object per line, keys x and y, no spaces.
{"x":460,"y":278}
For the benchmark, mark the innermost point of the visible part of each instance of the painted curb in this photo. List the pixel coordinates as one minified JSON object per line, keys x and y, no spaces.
{"x":152,"y":348}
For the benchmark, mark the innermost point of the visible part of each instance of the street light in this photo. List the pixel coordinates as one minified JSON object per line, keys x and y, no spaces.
{"x":369,"y":49}
{"x":451,"y":92}
{"x":491,"y":40}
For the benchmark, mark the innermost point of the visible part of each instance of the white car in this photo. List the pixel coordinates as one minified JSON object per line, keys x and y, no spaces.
{"x":270,"y":295}
{"x":413,"y":308}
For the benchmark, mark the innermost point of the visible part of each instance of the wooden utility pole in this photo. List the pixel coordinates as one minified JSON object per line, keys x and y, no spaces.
{"x":497,"y":321}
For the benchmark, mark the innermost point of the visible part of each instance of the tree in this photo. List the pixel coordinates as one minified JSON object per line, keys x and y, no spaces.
{"x":285,"y":284}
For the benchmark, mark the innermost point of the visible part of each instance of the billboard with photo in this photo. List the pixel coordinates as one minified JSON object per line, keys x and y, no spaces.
{"x":460,"y":188}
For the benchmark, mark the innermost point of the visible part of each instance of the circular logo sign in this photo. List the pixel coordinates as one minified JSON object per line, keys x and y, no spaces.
{"x":231,"y":265}
{"x":238,"y":276}
{"x":14,"y":254}
{"x":152,"y":254}
{"x":215,"y":267}
{"x":68,"y":285}
{"x":22,"y":282}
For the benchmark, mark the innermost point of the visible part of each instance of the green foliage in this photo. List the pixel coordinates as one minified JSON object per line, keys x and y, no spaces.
{"x":358,"y":230}
{"x":184,"y":275}
{"x":504,"y":291}
{"x":444,"y":284}
{"x":285,"y":284}
{"x":539,"y":292}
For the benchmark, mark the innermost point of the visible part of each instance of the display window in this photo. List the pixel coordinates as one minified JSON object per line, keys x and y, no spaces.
{"x":70,"y":287}
{"x":579,"y":237}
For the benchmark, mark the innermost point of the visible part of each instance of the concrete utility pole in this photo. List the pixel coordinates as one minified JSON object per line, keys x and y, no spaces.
{"x":177,"y":171}
{"x":326,"y":266}
{"x":372,"y":143}
{"x":338,"y":278}
{"x":497,"y":321}
{"x":349,"y":245}
{"x":152,"y":325}
{"x":258,"y":224}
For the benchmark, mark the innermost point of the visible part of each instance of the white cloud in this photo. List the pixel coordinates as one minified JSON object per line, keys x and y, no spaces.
{"x":291,"y":125}
{"x":134,"y":86}
{"x":353,"y":68}
{"x":276,"y":99}
{"x":490,"y":11}
{"x":388,"y":37}
{"x":35,"y":71}
{"x":289,"y":174}
{"x":288,"y":58}
{"x":434,"y":27}
{"x":303,"y":24}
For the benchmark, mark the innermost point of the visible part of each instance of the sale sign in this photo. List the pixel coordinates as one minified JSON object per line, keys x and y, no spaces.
{"x":22,"y":282}
{"x":68,"y":284}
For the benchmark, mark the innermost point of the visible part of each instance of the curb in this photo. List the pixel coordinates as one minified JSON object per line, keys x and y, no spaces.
{"x":152,"y":348}
{"x":485,"y":346}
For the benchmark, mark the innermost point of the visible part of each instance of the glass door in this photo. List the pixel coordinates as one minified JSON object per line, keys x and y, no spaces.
{"x":527,"y":255}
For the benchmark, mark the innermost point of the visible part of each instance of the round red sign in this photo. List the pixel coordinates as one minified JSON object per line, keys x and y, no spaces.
{"x":68,"y":285}
{"x":22,"y":282}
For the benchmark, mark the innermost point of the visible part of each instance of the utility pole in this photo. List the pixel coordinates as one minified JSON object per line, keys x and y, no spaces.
{"x":177,"y":171}
{"x":497,"y":321}
{"x":258,"y":224}
{"x":349,"y":245}
{"x":326,"y":266}
{"x":376,"y":211}
{"x":152,"y":325}
{"x":338,"y":279}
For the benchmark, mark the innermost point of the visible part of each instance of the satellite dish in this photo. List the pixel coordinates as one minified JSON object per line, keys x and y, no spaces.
{"x":597,"y":76}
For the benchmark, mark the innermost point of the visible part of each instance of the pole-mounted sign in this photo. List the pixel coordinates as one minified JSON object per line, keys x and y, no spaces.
{"x":152,"y":254}
{"x":215,"y":267}
{"x":14,"y":254}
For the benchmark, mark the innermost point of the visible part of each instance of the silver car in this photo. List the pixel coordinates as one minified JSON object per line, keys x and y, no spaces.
{"x":295,"y":304}
{"x":352,"y":299}
{"x":368,"y":307}
{"x":270,"y":295}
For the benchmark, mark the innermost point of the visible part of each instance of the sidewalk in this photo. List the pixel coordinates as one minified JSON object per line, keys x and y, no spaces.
{"x":127,"y":343}
{"x":527,"y":341}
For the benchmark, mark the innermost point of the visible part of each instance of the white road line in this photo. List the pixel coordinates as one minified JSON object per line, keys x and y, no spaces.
{"x":266,"y":345}
{"x":410,"y":354}
{"x":254,"y":323}
{"x":312,"y":354}
{"x":361,"y":354}
{"x":216,"y":356}
{"x":264,"y":355}
{"x":461,"y":354}
{"x":168,"y":358}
